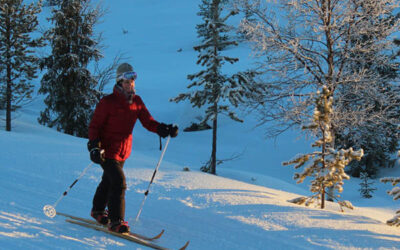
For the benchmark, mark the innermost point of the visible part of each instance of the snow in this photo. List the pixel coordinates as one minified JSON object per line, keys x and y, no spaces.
{"x":244,"y":207}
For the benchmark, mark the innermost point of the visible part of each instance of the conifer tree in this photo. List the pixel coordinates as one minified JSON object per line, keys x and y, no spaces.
{"x":68,"y":84}
{"x":18,"y":62}
{"x":325,"y":166}
{"x":395,"y":192}
{"x":366,"y":188}
{"x":214,"y":89}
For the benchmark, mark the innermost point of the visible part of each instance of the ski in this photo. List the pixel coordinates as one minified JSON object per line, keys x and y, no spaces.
{"x":93,"y":222}
{"x":123,"y":235}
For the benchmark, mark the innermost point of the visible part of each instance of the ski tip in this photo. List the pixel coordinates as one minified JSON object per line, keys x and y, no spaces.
{"x":159,"y":235}
{"x":185,"y":246}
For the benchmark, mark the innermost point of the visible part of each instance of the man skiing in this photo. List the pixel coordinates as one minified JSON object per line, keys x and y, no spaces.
{"x":110,"y":142}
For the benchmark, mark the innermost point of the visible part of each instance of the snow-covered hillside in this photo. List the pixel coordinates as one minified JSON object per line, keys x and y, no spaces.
{"x":244,"y":207}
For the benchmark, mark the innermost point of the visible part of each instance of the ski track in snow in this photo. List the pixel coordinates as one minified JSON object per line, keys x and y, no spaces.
{"x":189,"y":205}
{"x":231,"y":211}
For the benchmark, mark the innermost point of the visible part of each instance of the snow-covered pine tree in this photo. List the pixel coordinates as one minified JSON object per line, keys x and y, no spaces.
{"x":325,"y":166}
{"x":395,"y":192}
{"x":18,"y":62}
{"x":366,"y":188}
{"x":213,"y":88}
{"x":70,"y":87}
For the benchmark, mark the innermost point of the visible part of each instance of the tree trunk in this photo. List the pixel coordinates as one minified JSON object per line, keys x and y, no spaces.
{"x":8,"y":99}
{"x":8,"y":76}
{"x":323,"y":198}
{"x":323,"y":164}
{"x":213,"y":167}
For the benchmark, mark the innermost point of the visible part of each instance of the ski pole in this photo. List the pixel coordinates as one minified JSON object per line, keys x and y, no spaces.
{"x":50,"y":210}
{"x":151,"y":181}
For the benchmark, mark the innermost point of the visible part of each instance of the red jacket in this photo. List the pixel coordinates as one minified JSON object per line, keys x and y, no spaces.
{"x":113,"y":122}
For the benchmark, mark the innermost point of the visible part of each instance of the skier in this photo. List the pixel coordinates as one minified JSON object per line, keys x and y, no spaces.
{"x":110,"y":142}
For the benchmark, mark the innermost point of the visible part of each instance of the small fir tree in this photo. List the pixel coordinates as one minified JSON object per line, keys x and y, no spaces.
{"x":70,"y":87}
{"x":215,"y":89}
{"x":325,"y":166}
{"x":366,"y":188}
{"x":395,"y":192}
{"x":18,"y":62}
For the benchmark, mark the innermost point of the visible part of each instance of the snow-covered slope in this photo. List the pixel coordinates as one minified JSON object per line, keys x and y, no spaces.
{"x":244,"y":207}
{"x":213,"y":212}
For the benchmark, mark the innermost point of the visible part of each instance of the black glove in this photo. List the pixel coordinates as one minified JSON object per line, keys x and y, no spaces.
{"x":173,"y":131}
{"x":96,"y":153}
{"x":165,"y":130}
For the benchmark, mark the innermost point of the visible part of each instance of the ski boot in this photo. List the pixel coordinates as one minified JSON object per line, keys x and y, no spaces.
{"x":100,"y":216}
{"x":119,"y":226}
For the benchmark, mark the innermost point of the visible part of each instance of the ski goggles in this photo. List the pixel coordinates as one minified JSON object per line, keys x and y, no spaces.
{"x":131,"y":75}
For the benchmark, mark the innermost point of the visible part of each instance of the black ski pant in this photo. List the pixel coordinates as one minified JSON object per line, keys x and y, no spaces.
{"x":111,"y":190}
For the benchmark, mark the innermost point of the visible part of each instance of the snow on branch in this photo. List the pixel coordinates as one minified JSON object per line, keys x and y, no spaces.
{"x":395,"y":192}
{"x":302,"y":45}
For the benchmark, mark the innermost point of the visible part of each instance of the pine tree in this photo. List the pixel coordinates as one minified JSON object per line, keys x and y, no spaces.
{"x":395,"y":192}
{"x":18,"y":63}
{"x":366,"y":190}
{"x":325,"y":166}
{"x":70,"y":87}
{"x":215,"y":89}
